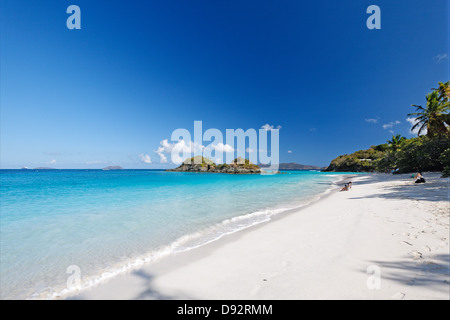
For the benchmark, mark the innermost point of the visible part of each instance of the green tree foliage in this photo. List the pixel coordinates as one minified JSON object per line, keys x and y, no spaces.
{"x":359,"y":161}
{"x":433,"y":116}
{"x":396,"y":142}
{"x":424,"y":153}
{"x":382,"y":147}
{"x":443,"y":90}
{"x":445,"y":159}
{"x":412,"y":155}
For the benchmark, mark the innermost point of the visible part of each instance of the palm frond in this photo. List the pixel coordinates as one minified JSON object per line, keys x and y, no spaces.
{"x":415,"y":126}
{"x":421,"y":129}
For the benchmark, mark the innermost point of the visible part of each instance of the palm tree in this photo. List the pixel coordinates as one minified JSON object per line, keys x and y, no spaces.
{"x":444,"y":96}
{"x":433,"y":117}
{"x":395,"y":142}
{"x":444,"y":91}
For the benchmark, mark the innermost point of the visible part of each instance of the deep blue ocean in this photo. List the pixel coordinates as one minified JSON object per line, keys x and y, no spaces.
{"x":107,"y":222}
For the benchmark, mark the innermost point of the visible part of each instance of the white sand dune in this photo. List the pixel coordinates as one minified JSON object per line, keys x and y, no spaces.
{"x":334,"y":248}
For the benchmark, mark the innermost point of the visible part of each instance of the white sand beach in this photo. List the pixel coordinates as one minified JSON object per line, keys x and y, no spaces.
{"x":385,"y":224}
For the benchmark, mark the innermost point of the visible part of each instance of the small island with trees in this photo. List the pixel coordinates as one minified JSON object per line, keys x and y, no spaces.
{"x":202,"y":164}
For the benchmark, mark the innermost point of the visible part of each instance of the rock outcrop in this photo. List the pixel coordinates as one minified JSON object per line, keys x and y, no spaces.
{"x":202,"y":164}
{"x":112,"y":168}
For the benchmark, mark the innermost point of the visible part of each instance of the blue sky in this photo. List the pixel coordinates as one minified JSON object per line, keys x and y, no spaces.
{"x":108,"y":94}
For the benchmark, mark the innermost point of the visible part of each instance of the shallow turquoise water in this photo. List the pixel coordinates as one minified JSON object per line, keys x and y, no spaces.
{"x":106,"y":222}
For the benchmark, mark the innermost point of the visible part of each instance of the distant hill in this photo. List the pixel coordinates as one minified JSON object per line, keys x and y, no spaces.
{"x":112,"y":168}
{"x":293,"y":166}
{"x":42,"y":168}
{"x":359,"y":161}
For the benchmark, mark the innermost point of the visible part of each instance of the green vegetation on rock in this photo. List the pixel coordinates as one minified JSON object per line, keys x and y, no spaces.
{"x":202,"y":164}
{"x":199,"y":160}
{"x":359,"y":161}
{"x":428,"y":152}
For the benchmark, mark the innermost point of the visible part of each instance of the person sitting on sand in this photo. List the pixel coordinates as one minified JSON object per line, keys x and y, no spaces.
{"x":419,"y":178}
{"x":345,"y":187}
{"x":349,"y":185}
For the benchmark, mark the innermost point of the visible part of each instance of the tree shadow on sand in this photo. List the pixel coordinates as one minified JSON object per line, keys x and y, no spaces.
{"x":150,"y":293}
{"x":428,"y":273}
{"x":414,"y":191}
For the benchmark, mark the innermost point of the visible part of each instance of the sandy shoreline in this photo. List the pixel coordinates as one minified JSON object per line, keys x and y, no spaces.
{"x":386,"y":224}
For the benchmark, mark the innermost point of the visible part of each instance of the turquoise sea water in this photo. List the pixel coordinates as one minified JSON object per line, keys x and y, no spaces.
{"x":106,"y":222}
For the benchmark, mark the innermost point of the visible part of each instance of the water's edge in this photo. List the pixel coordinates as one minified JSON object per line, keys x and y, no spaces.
{"x":195,"y":240}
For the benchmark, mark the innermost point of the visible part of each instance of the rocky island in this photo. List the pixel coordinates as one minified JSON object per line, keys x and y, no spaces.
{"x":112,"y":168}
{"x":202,"y":164}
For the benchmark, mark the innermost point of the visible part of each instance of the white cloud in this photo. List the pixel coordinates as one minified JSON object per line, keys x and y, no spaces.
{"x":53,"y":161}
{"x":312,"y":129}
{"x":167,"y":149}
{"x":165,"y":146}
{"x":289,"y":151}
{"x":179,"y":147}
{"x":145,"y":158}
{"x":415,"y":132}
{"x":162,"y":158}
{"x":269,"y":127}
{"x":391,"y":131}
{"x":220,"y":147}
{"x":371,"y":120}
{"x":391,"y":124}
{"x":440,"y":57}
{"x":190,"y":147}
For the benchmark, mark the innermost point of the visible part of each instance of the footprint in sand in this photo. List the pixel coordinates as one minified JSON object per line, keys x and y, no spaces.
{"x":428,"y":229}
{"x":416,"y":255}
{"x":410,"y":236}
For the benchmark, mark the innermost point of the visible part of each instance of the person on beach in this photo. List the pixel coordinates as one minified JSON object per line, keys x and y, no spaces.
{"x":419,"y":178}
{"x":349,"y":185}
{"x":345,"y":187}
